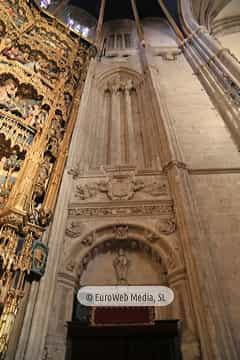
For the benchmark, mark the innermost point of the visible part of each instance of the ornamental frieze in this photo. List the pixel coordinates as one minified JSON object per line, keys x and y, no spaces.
{"x":162,"y":208}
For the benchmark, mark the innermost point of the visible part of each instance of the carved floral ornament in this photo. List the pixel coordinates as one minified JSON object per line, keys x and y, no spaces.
{"x":112,"y":237}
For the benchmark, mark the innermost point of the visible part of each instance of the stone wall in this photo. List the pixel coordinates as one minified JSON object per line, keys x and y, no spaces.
{"x":217,"y":196}
{"x":213,"y":161}
{"x":231,"y":41}
{"x":107,"y":195}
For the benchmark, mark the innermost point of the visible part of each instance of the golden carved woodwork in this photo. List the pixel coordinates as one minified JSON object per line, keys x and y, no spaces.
{"x":43,"y":66}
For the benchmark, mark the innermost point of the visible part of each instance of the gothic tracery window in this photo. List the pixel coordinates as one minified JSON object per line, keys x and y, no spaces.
{"x":118,"y":41}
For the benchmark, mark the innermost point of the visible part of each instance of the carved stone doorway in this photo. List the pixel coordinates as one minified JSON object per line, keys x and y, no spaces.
{"x":158,"y":341}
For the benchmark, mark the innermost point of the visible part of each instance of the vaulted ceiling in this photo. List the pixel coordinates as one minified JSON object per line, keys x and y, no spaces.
{"x":86,"y":12}
{"x":121,"y":9}
{"x":206,"y":11}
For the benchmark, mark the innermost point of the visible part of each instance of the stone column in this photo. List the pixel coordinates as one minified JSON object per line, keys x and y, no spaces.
{"x":138,"y":22}
{"x":124,"y":128}
{"x":104,"y":126}
{"x":210,"y":320}
{"x":137,"y":128}
{"x":115,"y":149}
{"x":62,"y":308}
{"x":208,"y":44}
{"x":130,"y":126}
{"x":182,"y":310}
{"x":100,"y":21}
{"x":108,"y":126}
{"x":96,"y":128}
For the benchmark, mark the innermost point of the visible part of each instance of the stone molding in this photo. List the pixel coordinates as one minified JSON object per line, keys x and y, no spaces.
{"x":146,"y":208}
{"x":120,"y":231}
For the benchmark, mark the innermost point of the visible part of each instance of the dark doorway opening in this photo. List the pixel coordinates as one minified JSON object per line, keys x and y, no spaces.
{"x":159,"y":341}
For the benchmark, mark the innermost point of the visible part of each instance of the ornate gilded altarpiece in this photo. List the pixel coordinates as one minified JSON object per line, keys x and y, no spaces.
{"x":43,"y":66}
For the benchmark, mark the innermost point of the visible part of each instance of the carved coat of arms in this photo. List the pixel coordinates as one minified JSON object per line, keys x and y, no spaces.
{"x":123,"y":187}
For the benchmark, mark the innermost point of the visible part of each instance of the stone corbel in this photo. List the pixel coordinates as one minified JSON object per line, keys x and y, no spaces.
{"x":174,"y":163}
{"x":168,"y":54}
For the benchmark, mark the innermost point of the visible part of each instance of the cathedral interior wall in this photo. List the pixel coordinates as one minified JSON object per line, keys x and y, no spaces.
{"x":211,"y":155}
{"x":217,"y":197}
{"x":226,"y":27}
{"x":117,"y":126}
{"x":203,"y":136}
{"x":230,"y":9}
{"x":157,"y":33}
{"x":231,"y":41}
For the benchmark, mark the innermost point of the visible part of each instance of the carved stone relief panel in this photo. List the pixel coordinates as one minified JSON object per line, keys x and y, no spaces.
{"x":120,"y":184}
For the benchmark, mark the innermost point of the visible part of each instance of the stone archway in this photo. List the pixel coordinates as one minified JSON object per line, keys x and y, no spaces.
{"x":81,"y":251}
{"x":122,"y":261}
{"x":87,"y":247}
